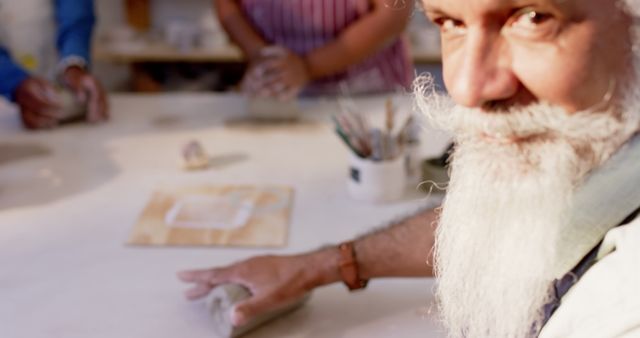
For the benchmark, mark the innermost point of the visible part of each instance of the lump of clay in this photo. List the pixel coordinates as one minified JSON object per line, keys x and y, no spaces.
{"x":194,"y":157}
{"x":220,"y":304}
{"x":72,"y":108}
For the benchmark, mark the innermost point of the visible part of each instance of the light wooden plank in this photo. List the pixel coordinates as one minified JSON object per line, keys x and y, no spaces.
{"x":266,"y":227}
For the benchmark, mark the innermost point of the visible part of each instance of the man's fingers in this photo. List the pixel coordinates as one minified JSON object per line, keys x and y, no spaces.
{"x":252,"y":307}
{"x":198,"y":291}
{"x":204,"y":281}
{"x":194,"y":276}
{"x":206,"y":276}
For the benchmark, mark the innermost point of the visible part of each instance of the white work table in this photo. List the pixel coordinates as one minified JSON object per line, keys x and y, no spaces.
{"x":70,"y":197}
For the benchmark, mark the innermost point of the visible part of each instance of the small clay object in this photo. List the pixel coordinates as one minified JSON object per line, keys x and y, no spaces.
{"x":194,"y":157}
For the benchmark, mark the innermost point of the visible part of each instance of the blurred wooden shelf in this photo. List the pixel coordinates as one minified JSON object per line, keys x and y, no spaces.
{"x":425,"y":57}
{"x":138,"y":14}
{"x":164,"y":53}
{"x":158,"y":52}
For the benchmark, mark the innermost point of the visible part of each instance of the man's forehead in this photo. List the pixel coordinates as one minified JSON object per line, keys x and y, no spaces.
{"x":494,"y":5}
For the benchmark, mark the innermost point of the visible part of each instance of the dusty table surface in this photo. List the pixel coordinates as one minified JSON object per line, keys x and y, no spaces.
{"x":69,"y":198}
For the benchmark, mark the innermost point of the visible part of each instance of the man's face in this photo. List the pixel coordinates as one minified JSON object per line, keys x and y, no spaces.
{"x":545,"y":91}
{"x":569,"y":53}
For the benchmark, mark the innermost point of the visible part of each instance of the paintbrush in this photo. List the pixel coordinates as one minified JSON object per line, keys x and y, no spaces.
{"x":346,"y":137}
{"x":389,"y":116}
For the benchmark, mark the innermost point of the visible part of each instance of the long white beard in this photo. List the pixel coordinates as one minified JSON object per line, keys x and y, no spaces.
{"x":506,"y":204}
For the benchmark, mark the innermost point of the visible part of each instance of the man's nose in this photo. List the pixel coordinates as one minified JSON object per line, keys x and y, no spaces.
{"x":483,"y":71}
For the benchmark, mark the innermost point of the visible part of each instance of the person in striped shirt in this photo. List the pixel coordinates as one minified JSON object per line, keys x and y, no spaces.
{"x":320,"y":47}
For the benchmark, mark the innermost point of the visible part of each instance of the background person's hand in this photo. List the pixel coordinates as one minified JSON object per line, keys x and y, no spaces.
{"x":88,"y":90}
{"x":40,"y":106}
{"x":277,"y":73}
{"x":253,"y":83}
{"x":284,"y":77}
{"x":274,"y":281}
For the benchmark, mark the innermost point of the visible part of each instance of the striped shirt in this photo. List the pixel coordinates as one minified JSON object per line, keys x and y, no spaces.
{"x":304,"y":25}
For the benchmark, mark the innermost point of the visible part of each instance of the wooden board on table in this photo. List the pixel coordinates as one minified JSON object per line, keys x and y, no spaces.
{"x":215,"y":215}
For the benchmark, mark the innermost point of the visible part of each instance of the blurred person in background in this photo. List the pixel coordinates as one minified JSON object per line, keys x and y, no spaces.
{"x":320,"y":47}
{"x":43,"y":42}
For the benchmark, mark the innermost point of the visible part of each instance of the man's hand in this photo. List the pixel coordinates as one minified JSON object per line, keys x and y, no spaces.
{"x":87,"y":89}
{"x":39,"y":104}
{"x":274,"y":281}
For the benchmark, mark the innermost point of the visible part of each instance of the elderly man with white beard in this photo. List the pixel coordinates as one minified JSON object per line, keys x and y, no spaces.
{"x":537,"y":234}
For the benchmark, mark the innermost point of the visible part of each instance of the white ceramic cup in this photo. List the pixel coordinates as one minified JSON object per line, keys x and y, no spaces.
{"x":377,"y":182}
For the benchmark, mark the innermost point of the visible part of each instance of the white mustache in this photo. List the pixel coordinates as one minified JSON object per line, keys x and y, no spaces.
{"x":538,"y":121}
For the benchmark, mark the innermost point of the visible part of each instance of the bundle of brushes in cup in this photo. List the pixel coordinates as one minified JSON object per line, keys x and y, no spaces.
{"x":376,"y":144}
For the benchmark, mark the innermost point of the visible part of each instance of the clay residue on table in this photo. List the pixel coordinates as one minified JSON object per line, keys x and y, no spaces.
{"x":34,"y":175}
{"x":166,"y":121}
{"x":226,"y":160}
{"x":253,"y":125}
{"x":13,"y":152}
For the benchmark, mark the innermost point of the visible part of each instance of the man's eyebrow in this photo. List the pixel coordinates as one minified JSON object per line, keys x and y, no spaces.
{"x":440,"y":8}
{"x":430,"y":7}
{"x":433,"y":10}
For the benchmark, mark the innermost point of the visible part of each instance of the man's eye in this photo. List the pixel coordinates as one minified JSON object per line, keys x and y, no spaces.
{"x":533,"y":24}
{"x":448,"y":25}
{"x":530,"y":18}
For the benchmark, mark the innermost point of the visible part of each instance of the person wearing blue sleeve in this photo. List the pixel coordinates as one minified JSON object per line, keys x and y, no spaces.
{"x":27,"y":76}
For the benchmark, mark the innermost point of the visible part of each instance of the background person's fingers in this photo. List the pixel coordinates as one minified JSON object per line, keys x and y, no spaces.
{"x":97,"y":102}
{"x":94,"y":113}
{"x":273,"y":51}
{"x":38,"y":97}
{"x":251,"y":81}
{"x":273,"y":86}
{"x":81,"y":93}
{"x":34,"y":121}
{"x":47,"y":95}
{"x":103,"y":106}
{"x":42,"y":109}
{"x":288,"y":94}
{"x":273,"y":66}
{"x":92,"y":100}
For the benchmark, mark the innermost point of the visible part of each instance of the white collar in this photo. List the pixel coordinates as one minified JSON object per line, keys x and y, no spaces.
{"x":609,"y":194}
